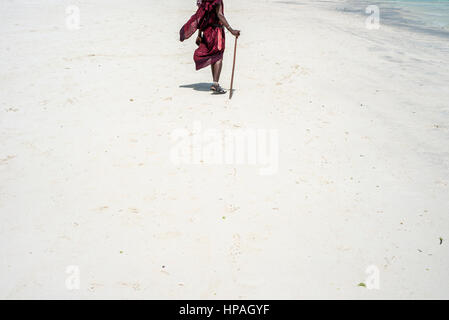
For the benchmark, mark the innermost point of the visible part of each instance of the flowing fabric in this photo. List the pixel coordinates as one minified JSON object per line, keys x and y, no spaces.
{"x":212,"y":45}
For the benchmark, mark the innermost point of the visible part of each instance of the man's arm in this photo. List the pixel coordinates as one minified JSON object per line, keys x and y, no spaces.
{"x":223,"y":20}
{"x":198,"y":38}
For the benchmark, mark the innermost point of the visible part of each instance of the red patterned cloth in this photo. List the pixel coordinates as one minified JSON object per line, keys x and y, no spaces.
{"x":206,"y":20}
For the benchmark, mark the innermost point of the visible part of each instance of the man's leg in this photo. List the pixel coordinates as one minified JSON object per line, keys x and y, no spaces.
{"x":216,"y":70}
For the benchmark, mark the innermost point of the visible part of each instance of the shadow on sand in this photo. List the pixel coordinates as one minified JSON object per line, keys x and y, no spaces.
{"x":202,"y":86}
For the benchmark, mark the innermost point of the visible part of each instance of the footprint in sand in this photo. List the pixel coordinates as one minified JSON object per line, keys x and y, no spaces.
{"x":94,"y":286}
{"x":231,"y":208}
{"x":296,"y":69}
{"x":135,"y":286}
{"x":5,"y":160}
{"x":133,"y":210}
{"x":235,"y":250}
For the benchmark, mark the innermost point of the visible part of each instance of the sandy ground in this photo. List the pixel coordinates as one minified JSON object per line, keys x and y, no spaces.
{"x":88,"y":190}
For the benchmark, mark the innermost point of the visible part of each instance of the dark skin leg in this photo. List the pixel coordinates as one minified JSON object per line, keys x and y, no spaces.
{"x":216,"y":70}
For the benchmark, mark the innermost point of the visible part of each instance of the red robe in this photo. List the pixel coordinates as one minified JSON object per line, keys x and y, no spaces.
{"x":206,"y":20}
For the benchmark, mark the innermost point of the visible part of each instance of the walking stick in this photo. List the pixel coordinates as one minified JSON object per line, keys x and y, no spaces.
{"x":233,"y":67}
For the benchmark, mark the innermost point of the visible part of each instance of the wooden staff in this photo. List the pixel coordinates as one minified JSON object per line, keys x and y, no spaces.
{"x":233,"y":68}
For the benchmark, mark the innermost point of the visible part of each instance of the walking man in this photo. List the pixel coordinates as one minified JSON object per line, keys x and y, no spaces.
{"x":210,"y":21}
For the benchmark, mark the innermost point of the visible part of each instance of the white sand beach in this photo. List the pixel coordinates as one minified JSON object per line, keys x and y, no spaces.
{"x":92,"y":205}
